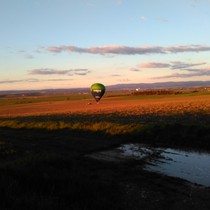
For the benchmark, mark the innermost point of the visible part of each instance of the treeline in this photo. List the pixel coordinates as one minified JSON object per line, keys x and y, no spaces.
{"x":156,"y":92}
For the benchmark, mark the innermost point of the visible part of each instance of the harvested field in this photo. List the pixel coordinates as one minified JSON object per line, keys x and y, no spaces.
{"x":46,"y":149}
{"x":165,"y":105}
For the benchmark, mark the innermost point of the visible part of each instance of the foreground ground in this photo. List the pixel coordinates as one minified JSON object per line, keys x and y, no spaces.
{"x":44,"y":148}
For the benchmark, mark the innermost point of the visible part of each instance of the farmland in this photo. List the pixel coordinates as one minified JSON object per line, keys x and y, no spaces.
{"x":45,"y":141}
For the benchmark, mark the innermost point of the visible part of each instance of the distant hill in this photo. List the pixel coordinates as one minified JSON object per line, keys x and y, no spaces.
{"x":187,"y":84}
{"x":130,"y":86}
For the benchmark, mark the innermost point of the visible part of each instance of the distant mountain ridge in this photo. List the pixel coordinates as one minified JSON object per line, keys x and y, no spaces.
{"x":160,"y":85}
{"x":186,"y":84}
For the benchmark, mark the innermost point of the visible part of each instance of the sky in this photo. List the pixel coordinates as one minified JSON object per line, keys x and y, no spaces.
{"x":75,"y":43}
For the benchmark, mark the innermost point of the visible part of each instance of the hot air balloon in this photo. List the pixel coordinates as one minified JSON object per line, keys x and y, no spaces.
{"x":97,"y":91}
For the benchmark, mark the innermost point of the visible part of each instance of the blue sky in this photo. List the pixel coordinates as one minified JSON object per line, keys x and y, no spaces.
{"x":68,"y":43}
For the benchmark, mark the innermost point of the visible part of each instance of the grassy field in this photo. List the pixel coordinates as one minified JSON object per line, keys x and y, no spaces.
{"x":111,"y":95}
{"x":43,"y":154}
{"x":42,"y":98}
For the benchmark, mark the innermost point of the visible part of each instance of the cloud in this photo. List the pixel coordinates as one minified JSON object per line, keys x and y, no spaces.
{"x":39,"y":49}
{"x":171,"y":65}
{"x":18,"y":81}
{"x":186,"y":48}
{"x":182,"y":65}
{"x":187,"y":69}
{"x":48,"y":71}
{"x":9,"y":81}
{"x":31,"y":80}
{"x":106,"y":50}
{"x":56,"y":80}
{"x":81,"y":72}
{"x":134,"y":69}
{"x":154,"y":65}
{"x":195,"y":73}
{"x":126,"y":50}
{"x":26,"y":55}
{"x":115,"y":75}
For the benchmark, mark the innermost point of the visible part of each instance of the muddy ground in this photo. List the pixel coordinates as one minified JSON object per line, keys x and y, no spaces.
{"x":52,"y":170}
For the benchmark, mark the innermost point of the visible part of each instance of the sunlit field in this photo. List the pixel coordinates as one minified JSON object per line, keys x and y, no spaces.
{"x":45,"y":141}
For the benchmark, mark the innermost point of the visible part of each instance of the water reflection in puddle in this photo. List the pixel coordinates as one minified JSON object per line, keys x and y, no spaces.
{"x":192,"y":166}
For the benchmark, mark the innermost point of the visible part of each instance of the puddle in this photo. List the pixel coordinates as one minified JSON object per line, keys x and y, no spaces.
{"x":136,"y":151}
{"x":191,"y":166}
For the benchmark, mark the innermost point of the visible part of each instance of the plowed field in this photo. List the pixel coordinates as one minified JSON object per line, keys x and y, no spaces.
{"x":129,"y":105}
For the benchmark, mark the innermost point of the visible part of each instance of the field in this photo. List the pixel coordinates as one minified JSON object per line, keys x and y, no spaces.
{"x":45,"y":141}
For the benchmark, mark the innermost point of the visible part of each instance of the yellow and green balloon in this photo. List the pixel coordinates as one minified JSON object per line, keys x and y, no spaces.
{"x":97,"y":90}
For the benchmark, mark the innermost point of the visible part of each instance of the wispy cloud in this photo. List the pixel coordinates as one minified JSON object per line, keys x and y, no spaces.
{"x":18,"y":81}
{"x":187,"y":69}
{"x":39,"y":49}
{"x":153,"y":65}
{"x":115,"y":75}
{"x":182,"y":65}
{"x":171,"y":65}
{"x":31,"y":80}
{"x":184,"y":75}
{"x":26,"y":54}
{"x":9,"y":81}
{"x":56,"y":80}
{"x":126,"y":50}
{"x":191,"y":73}
{"x":81,"y":72}
{"x":48,"y":71}
{"x":134,"y":69}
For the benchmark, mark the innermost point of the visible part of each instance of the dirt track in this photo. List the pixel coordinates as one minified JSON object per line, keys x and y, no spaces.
{"x":141,"y":106}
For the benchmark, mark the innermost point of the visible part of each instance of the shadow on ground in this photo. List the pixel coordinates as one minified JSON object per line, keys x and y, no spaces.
{"x":49,"y":169}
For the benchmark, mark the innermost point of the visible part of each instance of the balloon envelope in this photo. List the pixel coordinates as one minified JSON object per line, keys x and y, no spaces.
{"x":97,"y":90}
